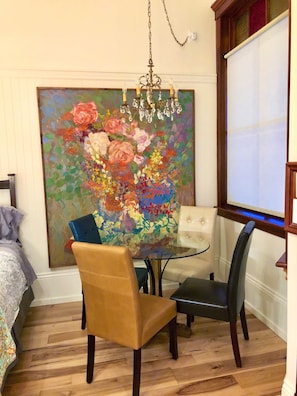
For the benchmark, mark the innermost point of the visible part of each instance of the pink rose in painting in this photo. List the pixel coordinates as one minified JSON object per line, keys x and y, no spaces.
{"x":97,"y":142}
{"x":84,"y":113}
{"x":120,"y":153}
{"x":142,"y":139}
{"x":138,"y":159}
{"x":113,"y":125}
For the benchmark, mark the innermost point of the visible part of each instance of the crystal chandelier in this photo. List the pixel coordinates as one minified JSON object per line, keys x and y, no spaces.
{"x":145,"y":102}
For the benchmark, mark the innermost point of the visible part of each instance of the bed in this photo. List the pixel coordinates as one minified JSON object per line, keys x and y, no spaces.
{"x":16,"y":279}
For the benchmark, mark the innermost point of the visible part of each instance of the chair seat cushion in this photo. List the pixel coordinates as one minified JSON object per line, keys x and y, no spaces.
{"x":178,"y":270}
{"x":202,"y":297}
{"x":156,"y":313}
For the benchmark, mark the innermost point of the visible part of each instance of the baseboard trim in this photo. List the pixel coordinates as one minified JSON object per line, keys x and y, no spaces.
{"x":288,"y":389}
{"x":56,"y":287}
{"x":266,"y":304}
{"x":277,"y":318}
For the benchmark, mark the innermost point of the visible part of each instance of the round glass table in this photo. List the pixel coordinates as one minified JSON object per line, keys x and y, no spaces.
{"x":155,"y":250}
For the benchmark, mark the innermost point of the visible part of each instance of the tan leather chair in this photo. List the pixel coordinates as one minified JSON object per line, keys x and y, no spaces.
{"x":84,"y":229}
{"x":115,"y":309}
{"x":200,"y":219}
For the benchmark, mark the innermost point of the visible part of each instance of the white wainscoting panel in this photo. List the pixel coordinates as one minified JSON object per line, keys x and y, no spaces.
{"x":266,"y":304}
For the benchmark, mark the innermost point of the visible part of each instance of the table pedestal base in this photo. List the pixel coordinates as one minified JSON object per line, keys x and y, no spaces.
{"x":155,"y":271}
{"x":182,"y":330}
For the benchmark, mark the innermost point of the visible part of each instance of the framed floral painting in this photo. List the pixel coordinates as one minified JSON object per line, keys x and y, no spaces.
{"x":132,"y":175}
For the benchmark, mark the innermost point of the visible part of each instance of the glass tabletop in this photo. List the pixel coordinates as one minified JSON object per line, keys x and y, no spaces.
{"x":172,"y":246}
{"x":154,"y":248}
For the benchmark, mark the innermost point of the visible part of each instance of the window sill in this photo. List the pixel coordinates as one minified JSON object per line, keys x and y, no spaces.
{"x":272,"y":225}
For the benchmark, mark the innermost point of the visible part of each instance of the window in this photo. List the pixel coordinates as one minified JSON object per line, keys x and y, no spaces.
{"x":257,"y":120}
{"x":252,"y":111}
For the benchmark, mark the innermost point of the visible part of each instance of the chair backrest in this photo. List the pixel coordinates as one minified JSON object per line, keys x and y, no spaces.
{"x":201,"y":219}
{"x":236,"y":280}
{"x":110,"y":291}
{"x":84,"y":229}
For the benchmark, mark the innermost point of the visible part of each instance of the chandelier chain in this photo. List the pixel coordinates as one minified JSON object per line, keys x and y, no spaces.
{"x":150,"y":29}
{"x":148,"y":103}
{"x":171,"y":29}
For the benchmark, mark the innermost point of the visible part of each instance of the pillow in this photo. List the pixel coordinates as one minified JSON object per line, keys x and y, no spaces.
{"x":10,"y":219}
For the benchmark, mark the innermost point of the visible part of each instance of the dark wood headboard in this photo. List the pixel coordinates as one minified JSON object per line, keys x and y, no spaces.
{"x":9,"y":184}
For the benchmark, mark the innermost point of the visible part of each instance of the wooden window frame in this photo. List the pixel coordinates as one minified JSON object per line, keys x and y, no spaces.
{"x":226,"y":12}
{"x":291,"y":195}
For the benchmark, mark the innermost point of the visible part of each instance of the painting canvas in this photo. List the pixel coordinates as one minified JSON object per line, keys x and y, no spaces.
{"x":132,"y":175}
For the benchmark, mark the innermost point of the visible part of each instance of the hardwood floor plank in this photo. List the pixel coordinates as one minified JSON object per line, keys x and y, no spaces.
{"x":261,"y":376}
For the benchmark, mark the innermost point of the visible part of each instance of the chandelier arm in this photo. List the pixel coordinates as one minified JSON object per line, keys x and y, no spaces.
{"x":171,"y":29}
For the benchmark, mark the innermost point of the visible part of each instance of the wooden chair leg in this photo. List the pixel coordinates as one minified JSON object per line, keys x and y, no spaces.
{"x":244,"y":323}
{"x":190,"y":320}
{"x":83,"y":313}
{"x":91,"y":354}
{"x":234,"y":339}
{"x":136,"y":371}
{"x":173,"y":338}
{"x":145,"y":288}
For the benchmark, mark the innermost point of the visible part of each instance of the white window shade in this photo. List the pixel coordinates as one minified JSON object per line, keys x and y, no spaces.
{"x":257,"y":84}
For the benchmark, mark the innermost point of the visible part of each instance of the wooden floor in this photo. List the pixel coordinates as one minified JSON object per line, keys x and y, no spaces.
{"x":54,"y":360}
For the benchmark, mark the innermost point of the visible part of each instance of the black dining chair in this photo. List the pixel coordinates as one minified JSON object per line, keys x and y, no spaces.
{"x":220,"y":300}
{"x":84,"y":229}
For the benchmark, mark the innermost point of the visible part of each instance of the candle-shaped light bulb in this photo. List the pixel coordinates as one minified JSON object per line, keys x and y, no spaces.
{"x":137,"y":90}
{"x":176,"y":94}
{"x":124,"y":95}
{"x":171,"y":90}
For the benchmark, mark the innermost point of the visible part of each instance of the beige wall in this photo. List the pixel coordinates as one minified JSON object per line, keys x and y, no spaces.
{"x":106,"y":36}
{"x":93,"y":43}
